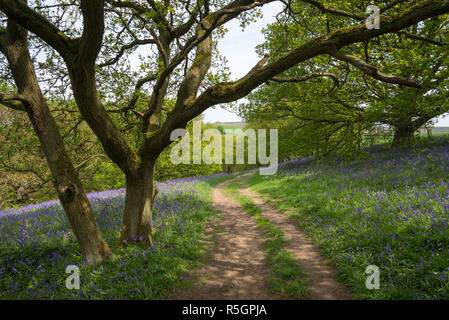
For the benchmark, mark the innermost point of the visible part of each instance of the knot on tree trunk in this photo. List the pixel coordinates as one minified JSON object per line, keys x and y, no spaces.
{"x":67,"y":191}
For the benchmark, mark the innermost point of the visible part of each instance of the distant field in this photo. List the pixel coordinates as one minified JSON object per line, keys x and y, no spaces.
{"x":230,"y":127}
{"x":435,"y":131}
{"x":222,"y":126}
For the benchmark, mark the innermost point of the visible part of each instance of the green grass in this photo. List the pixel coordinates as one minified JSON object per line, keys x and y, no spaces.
{"x":214,"y":181}
{"x":368,"y":140}
{"x":285,"y":194}
{"x":286,"y":277}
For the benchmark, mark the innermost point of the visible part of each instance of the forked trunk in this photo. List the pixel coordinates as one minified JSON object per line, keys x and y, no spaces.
{"x":138,"y":217}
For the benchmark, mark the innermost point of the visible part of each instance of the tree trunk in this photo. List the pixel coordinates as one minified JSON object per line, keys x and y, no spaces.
{"x":403,"y":136}
{"x":70,"y":190}
{"x":138,"y":219}
{"x":140,"y":187}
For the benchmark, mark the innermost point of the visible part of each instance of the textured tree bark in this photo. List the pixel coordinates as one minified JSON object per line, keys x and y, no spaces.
{"x":66,"y":181}
{"x":403,"y":136}
{"x":140,"y":187}
{"x":138,"y":217}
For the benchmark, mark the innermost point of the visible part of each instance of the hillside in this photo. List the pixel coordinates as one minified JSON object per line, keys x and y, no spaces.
{"x":390,"y":210}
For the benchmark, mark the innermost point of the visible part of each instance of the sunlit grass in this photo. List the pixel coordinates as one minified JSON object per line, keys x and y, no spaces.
{"x":390,"y":210}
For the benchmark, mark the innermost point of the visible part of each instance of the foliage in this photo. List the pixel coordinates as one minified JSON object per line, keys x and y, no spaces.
{"x":319,"y":116}
{"x":165,"y":169}
{"x":25,"y":175}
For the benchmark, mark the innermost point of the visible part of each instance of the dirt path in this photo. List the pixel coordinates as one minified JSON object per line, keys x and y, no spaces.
{"x":322,"y":285}
{"x":236,"y":267}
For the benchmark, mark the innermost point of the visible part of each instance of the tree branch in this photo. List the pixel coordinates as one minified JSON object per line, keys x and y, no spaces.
{"x":200,"y":66}
{"x":307,"y":77}
{"x":86,"y":161}
{"x":140,"y":9}
{"x":93,"y":30}
{"x":227,"y":92}
{"x":334,"y":11}
{"x":424,"y":39}
{"x":372,"y":71}
{"x":391,"y":5}
{"x":17,"y":102}
{"x":122,"y":50}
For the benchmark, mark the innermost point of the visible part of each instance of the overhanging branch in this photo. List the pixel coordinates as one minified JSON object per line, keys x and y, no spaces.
{"x":371,"y":70}
{"x":334,"y":11}
{"x":423,"y":39}
{"x":123,"y":49}
{"x":226,"y":92}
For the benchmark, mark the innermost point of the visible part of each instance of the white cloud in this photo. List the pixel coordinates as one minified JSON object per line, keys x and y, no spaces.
{"x":239,"y":49}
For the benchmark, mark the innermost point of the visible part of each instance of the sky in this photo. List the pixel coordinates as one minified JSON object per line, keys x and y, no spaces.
{"x":239,"y":48}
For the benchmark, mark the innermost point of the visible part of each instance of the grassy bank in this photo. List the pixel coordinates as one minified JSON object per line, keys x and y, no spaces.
{"x":390,"y":209}
{"x":37,"y":245}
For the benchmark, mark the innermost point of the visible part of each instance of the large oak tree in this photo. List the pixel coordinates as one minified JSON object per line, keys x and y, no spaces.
{"x":334,"y":114}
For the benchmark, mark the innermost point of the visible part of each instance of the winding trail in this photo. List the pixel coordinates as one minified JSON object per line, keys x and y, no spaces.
{"x":236,"y":267}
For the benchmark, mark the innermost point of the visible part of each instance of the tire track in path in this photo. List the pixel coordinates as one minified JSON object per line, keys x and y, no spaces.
{"x":236,"y":268}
